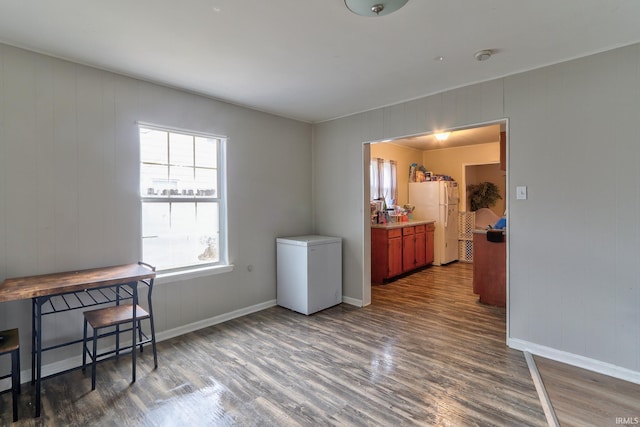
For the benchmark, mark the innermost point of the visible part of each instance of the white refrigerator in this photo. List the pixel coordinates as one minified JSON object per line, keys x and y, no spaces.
{"x":438,"y":200}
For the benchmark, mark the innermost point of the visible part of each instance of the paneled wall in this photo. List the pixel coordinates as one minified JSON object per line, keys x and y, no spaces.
{"x":574,"y":141}
{"x":69,"y":185}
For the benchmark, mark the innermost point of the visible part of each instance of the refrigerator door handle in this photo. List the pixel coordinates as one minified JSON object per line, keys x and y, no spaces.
{"x":446,"y":216}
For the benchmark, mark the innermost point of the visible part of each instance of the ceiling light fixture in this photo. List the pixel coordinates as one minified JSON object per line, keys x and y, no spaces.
{"x":442,"y":136}
{"x":374,"y":7}
{"x":483,"y":55}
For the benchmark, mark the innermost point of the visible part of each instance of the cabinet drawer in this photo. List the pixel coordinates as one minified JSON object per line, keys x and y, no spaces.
{"x":408,"y":230}
{"x":396,"y":232}
{"x":419,"y":229}
{"x":430,"y":227}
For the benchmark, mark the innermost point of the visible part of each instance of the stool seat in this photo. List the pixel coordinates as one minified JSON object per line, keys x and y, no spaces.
{"x":111,"y":316}
{"x":9,"y":341}
{"x":10,"y":344}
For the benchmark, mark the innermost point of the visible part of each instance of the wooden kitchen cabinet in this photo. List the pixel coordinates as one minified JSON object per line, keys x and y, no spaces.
{"x":400,"y":249}
{"x":408,"y":249}
{"x":429,"y":242}
{"x":421,"y":246}
{"x":394,"y":258}
{"x":386,"y":253}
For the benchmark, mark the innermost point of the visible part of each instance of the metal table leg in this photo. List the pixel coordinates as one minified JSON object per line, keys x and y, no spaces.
{"x":134,"y":289}
{"x":37,"y":332}
{"x":33,"y":340}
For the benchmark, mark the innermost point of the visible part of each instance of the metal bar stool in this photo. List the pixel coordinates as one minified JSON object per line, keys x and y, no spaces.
{"x":10,"y":343}
{"x":118,"y":317}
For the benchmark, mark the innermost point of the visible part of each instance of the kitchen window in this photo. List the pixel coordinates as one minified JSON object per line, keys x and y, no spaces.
{"x":182,"y":199}
{"x":383,"y":180}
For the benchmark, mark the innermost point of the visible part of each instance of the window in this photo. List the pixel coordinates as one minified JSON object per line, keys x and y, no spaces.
{"x":390,"y":182}
{"x":183,"y":200}
{"x":383,"y":180}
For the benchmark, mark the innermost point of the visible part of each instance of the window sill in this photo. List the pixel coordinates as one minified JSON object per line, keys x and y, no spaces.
{"x":192,"y":273}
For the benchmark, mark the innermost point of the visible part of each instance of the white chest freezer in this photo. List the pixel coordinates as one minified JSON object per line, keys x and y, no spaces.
{"x":309,"y":272}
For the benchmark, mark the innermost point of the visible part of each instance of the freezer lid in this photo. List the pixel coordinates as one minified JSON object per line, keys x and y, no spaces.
{"x":308,"y":240}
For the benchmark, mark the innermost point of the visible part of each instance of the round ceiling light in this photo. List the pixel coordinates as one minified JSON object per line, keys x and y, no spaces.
{"x":374,"y":7}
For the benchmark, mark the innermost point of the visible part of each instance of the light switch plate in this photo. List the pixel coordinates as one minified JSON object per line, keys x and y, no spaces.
{"x":521,"y":192}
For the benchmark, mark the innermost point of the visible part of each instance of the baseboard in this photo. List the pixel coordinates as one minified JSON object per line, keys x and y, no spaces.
{"x":352,"y":301}
{"x":75,"y":361}
{"x":576,"y":360}
{"x":185,"y":329}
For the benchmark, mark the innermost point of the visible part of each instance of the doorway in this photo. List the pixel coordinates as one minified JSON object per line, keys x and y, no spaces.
{"x":469,"y":147}
{"x":486,"y":172}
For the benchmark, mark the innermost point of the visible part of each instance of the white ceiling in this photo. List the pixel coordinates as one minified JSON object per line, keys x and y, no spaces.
{"x":314,"y":60}
{"x":457,"y":138}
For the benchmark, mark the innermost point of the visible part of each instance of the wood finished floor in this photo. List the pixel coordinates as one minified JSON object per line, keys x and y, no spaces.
{"x":584,"y":398}
{"x":424,"y":353}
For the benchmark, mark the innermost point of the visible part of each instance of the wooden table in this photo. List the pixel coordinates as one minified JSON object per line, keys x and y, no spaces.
{"x":59,"y":292}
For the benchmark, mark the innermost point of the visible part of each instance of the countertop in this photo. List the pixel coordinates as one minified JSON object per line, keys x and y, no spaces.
{"x":484,"y":231}
{"x":411,"y":222}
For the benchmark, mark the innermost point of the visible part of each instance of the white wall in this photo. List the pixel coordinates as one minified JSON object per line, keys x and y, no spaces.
{"x":69,"y":185}
{"x":452,"y":161}
{"x":574,"y":140}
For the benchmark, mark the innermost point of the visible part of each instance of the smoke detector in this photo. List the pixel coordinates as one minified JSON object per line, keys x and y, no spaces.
{"x":483,"y":55}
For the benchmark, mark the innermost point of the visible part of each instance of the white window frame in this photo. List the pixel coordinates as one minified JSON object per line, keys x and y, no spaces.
{"x":376,"y":178}
{"x":201,"y":269}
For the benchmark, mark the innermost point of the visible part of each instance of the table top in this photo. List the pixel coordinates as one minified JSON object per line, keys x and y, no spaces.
{"x":71,"y":281}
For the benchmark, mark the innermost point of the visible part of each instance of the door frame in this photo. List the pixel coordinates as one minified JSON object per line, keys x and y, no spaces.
{"x":366,"y":219}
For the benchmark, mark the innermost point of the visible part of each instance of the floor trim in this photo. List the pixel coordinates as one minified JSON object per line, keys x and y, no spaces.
{"x":547,"y":407}
{"x":575,"y":360}
{"x":352,"y":301}
{"x":201,"y":324}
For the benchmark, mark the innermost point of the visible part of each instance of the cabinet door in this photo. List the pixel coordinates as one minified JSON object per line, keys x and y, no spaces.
{"x":395,"y":257}
{"x":421,"y":249}
{"x":379,"y":255}
{"x":408,"y":252}
{"x":429,"y":255}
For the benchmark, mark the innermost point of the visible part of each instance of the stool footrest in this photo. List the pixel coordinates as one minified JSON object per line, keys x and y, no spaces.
{"x":119,"y":351}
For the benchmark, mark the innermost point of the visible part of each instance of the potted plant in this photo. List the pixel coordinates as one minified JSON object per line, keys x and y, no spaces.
{"x":483,"y":195}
